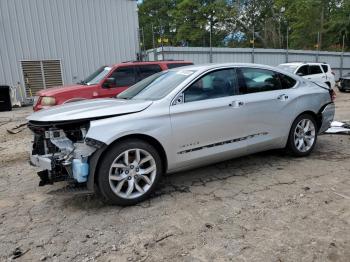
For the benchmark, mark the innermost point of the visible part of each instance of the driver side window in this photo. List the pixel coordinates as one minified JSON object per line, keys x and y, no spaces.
{"x":215,"y":84}
{"x":124,"y":76}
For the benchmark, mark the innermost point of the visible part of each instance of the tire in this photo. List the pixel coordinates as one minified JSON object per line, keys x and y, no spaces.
{"x":341,"y":90}
{"x":301,"y":143}
{"x":129,"y":172}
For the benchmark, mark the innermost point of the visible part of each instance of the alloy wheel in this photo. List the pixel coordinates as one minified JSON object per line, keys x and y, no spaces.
{"x":304,"y":135}
{"x":132,"y":173}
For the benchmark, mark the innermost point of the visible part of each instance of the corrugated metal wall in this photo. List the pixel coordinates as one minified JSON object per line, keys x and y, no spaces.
{"x":83,"y":34}
{"x":273,"y":57}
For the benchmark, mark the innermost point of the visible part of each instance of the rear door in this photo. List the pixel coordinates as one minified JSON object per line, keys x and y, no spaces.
{"x":206,"y":121}
{"x":316,"y":74}
{"x":270,"y":103}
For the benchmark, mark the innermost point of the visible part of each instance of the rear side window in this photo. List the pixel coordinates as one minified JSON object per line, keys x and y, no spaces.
{"x":148,"y":70}
{"x":253,"y":80}
{"x":315,"y":69}
{"x":175,"y":65}
{"x":124,"y":76}
{"x":325,"y":68}
{"x":287,"y":82}
{"x":304,"y":70}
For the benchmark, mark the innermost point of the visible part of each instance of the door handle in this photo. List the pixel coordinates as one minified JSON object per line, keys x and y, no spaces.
{"x":236,"y":104}
{"x":283,"y":97}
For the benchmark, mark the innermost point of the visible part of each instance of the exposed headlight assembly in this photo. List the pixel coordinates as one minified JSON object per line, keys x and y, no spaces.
{"x":48,"y":101}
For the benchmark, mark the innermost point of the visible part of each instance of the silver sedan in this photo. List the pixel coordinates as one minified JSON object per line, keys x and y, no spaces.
{"x":177,"y":120}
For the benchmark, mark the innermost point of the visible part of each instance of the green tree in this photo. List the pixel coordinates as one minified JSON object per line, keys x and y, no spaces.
{"x":195,"y":19}
{"x":157,"y":15}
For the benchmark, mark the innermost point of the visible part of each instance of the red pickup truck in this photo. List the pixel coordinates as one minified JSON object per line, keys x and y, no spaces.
{"x":107,"y":81}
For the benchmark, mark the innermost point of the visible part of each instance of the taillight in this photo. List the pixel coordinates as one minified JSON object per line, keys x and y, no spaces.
{"x":332,"y":94}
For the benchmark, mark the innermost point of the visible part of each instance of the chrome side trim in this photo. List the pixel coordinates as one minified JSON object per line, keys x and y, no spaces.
{"x":221,"y":143}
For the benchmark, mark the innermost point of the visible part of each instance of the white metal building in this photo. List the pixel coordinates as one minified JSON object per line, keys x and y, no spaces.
{"x":45,"y":43}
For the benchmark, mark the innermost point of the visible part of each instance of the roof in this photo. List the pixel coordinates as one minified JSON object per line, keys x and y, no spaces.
{"x":303,"y":63}
{"x":204,"y":67}
{"x":153,"y":62}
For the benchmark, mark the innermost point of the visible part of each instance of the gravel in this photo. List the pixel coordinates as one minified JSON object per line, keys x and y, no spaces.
{"x":264,"y":207}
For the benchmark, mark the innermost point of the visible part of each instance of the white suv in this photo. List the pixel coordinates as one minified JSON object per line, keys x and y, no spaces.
{"x":316,"y":72}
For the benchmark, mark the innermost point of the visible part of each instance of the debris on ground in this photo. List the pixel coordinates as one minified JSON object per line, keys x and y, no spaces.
{"x":17,"y":129}
{"x":18,"y":253}
{"x":339,"y":128}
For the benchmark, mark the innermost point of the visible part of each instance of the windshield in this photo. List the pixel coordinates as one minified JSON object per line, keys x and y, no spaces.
{"x":156,"y":86}
{"x":97,"y":76}
{"x":288,"y":68}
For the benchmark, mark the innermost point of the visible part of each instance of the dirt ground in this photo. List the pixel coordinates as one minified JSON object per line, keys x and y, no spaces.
{"x":265,"y":207}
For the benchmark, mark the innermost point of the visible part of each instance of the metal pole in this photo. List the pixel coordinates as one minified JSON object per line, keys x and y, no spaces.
{"x":253,"y":50}
{"x":140,"y":44}
{"x":342,"y":57}
{"x":210,"y":44}
{"x":143,"y":40}
{"x":287,"y":51}
{"x":161,"y":40}
{"x":318,"y":46}
{"x":154,"y":45}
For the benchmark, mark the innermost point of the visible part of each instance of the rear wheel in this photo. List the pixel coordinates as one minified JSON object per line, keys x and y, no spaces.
{"x":302,"y":136}
{"x":129,"y":172}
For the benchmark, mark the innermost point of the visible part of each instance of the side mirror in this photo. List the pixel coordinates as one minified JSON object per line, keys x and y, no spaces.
{"x":179,"y":99}
{"x":300,"y":74}
{"x":109,"y":82}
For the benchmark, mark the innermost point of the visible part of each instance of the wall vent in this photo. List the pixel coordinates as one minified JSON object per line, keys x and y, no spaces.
{"x":41,"y":74}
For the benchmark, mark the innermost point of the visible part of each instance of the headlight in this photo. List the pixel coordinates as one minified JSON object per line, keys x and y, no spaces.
{"x":48,"y":101}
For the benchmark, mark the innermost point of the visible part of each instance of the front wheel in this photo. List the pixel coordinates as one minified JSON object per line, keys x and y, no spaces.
{"x":129,"y":172}
{"x":302,"y":136}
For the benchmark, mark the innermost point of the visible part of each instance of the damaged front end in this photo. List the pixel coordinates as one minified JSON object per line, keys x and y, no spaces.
{"x":62,"y":151}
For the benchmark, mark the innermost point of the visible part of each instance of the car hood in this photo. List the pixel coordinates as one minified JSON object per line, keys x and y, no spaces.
{"x":89,"y":109}
{"x":53,"y":91}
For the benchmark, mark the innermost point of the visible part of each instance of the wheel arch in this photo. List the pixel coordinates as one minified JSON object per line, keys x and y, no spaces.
{"x":97,"y":156}
{"x":317,"y":117}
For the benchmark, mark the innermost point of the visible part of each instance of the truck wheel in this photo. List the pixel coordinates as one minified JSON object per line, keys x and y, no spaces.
{"x":129,"y":172}
{"x":302,"y":136}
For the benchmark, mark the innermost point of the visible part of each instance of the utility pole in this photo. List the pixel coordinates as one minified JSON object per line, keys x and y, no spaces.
{"x":153,"y":41}
{"x":161,"y":39}
{"x":154,"y":45}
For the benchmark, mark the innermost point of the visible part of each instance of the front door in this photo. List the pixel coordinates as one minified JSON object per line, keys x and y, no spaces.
{"x":207,"y":120}
{"x":270,"y":103}
{"x":123,"y":78}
